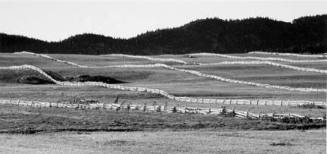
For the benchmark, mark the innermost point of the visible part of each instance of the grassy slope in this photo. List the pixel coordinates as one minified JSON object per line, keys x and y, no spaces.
{"x":212,"y":138}
{"x":177,"y":83}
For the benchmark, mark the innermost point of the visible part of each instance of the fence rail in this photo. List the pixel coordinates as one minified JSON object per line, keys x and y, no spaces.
{"x":158,"y":108}
{"x":324,"y":55}
{"x":219,"y":78}
{"x":165,"y":94}
{"x":260,"y":58}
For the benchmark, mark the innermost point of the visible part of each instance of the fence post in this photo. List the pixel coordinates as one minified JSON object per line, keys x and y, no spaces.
{"x":144,"y":107}
{"x":197,"y":107}
{"x":223,"y":110}
{"x":128,"y":107}
{"x":158,"y":109}
{"x":18,"y":104}
{"x":209,"y":108}
{"x":166,"y":106}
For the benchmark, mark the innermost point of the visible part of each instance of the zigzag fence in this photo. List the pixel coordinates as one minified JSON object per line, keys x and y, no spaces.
{"x":290,"y":54}
{"x":175,"y":60}
{"x":205,"y":75}
{"x":245,"y":82}
{"x":163,"y":93}
{"x":269,"y":63}
{"x":161,"y":108}
{"x":259,"y":58}
{"x":51,"y":58}
{"x":151,"y":58}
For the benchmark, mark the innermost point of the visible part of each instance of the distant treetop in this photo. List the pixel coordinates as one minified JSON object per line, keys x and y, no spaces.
{"x":302,"y":35}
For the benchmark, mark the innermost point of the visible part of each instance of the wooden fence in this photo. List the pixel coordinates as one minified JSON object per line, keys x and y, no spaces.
{"x":197,"y":73}
{"x":260,"y":58}
{"x":165,"y":94}
{"x":159,"y":108}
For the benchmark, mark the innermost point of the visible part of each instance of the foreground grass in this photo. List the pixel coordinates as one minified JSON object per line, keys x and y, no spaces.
{"x":247,"y":142}
{"x":28,"y":120}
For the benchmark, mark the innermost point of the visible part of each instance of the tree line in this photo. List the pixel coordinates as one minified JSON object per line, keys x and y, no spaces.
{"x":302,"y":35}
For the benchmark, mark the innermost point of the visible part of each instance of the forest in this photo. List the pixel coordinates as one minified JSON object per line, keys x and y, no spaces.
{"x":302,"y":35}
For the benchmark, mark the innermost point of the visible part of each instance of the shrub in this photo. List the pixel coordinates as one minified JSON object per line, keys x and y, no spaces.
{"x":174,"y":110}
{"x":158,"y":109}
{"x":311,"y":106}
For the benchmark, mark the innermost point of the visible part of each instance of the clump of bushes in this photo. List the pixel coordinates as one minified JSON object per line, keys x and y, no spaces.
{"x":281,"y":144}
{"x":311,"y":106}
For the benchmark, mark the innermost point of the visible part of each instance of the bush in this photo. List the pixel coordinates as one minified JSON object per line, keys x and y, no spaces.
{"x":311,"y":106}
{"x":174,"y":110}
{"x":158,"y":109}
{"x":281,"y":144}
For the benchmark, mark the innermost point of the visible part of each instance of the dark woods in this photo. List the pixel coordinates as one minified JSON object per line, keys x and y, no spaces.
{"x":303,"y":35}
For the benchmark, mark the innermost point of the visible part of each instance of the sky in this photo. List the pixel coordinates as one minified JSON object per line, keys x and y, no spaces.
{"x":56,"y":20}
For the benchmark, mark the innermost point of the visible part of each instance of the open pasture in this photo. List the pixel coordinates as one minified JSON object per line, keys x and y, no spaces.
{"x":174,"y":82}
{"x":270,"y":142}
{"x":157,"y":131}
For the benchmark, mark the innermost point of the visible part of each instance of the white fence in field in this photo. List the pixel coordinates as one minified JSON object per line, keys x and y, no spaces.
{"x":304,"y":69}
{"x":176,"y":60}
{"x":291,"y":54}
{"x":155,"y":108}
{"x":219,"y":78}
{"x":151,"y":58}
{"x":247,"y":82}
{"x":161,"y":92}
{"x":51,"y":58}
{"x":260,"y":58}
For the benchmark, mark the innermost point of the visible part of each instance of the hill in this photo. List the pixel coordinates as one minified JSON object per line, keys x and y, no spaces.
{"x":302,"y":35}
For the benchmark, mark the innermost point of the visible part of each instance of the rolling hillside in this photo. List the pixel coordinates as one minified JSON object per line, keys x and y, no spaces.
{"x":302,"y":35}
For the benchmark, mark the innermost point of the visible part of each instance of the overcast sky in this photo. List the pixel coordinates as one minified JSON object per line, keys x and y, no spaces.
{"x":56,"y":20}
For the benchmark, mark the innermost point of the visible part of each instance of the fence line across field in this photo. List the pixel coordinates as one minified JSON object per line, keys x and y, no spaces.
{"x":304,"y":69}
{"x":176,"y":60}
{"x":219,"y":78}
{"x":324,"y":55}
{"x":163,"y":93}
{"x":156,"y":108}
{"x":260,"y":58}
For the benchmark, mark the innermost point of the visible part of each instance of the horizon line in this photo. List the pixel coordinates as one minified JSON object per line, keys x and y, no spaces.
{"x":153,"y":30}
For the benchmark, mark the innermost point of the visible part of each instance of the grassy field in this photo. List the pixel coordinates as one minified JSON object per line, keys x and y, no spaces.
{"x":174,"y":82}
{"x":151,"y":132}
{"x":247,"y":142}
{"x":30,"y":120}
{"x":186,"y":84}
